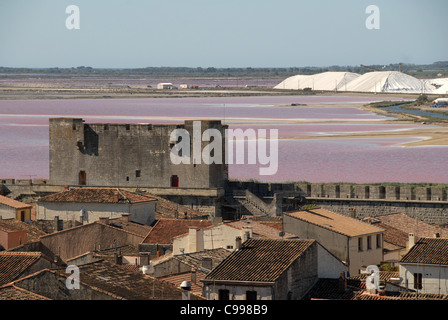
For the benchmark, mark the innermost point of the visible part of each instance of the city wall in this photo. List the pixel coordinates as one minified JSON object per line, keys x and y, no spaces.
{"x":427,"y":203}
{"x":346,"y":191}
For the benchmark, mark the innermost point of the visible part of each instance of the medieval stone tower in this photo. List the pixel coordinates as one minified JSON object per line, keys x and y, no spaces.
{"x":126,"y":155}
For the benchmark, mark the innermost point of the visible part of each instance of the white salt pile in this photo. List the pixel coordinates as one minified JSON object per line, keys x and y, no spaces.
{"x":326,"y":81}
{"x":377,"y":81}
{"x":389,"y":81}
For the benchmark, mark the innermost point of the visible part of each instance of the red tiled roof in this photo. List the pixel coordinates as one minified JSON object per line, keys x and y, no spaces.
{"x":406,"y":224}
{"x":13,"y":203}
{"x":166,"y":229}
{"x":97,"y":195}
{"x":335,"y":222}
{"x":261,"y":229}
{"x":428,"y":251}
{"x":13,"y":264}
{"x":133,"y":227}
{"x":177,"y":279}
{"x":11,"y":292}
{"x":259,"y":260}
{"x":394,"y":236}
{"x":15,"y":225}
{"x":124,"y":283}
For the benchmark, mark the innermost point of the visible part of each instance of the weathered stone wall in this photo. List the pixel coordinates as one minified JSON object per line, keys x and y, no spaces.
{"x":427,"y":203}
{"x":434,"y":213}
{"x":127,"y":155}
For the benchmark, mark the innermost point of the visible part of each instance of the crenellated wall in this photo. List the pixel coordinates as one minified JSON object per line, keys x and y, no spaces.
{"x":347,"y":191}
{"x":428,"y":203}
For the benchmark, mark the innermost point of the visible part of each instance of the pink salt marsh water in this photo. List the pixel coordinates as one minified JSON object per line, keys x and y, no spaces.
{"x":24,"y":136}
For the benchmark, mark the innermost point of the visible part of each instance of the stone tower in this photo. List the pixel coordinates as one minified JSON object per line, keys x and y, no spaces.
{"x":127,"y":155}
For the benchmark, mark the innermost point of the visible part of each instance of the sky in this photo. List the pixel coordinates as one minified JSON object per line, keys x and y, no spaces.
{"x":221,"y":33}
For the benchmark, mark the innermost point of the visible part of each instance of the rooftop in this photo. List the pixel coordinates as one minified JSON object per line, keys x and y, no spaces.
{"x":335,"y":222}
{"x":428,"y":251}
{"x":166,"y":229}
{"x":261,"y":229}
{"x":13,"y":264}
{"x":97,"y":195}
{"x":15,"y":225}
{"x":12,"y":292}
{"x":195,"y":259}
{"x":126,"y":224}
{"x":401,"y":225}
{"x":259,"y":260}
{"x":177,"y":279}
{"x":170,"y":210}
{"x":13,"y":203}
{"x":124,"y":283}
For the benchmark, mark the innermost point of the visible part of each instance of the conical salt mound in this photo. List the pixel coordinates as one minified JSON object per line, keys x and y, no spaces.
{"x":388,"y":81}
{"x":326,"y":81}
{"x":442,"y":90}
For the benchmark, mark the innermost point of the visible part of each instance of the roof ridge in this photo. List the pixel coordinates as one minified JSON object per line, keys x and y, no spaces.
{"x":23,"y":253}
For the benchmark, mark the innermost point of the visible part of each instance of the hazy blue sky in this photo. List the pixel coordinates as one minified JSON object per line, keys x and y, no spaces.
{"x":221,"y":33}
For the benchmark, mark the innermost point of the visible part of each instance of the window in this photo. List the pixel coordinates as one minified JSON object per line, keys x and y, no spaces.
{"x":138,"y":173}
{"x":82,"y":178}
{"x":251,"y":295}
{"x":175,"y":181}
{"x":223,"y":294}
{"x":369,"y":242}
{"x":22,"y":216}
{"x":128,"y":127}
{"x":418,"y":284}
{"x":378,"y":241}
{"x":359,"y":244}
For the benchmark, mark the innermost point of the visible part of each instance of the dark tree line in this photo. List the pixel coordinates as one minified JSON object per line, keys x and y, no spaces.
{"x":431,"y":69}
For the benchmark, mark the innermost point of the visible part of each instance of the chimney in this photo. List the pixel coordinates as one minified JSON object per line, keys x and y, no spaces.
{"x":238,"y":243}
{"x":118,"y":258}
{"x":192,"y":239}
{"x":193,"y":276}
{"x":411,"y":241}
{"x":126,"y":217}
{"x":342,"y":285}
{"x":116,"y":196}
{"x":246,"y":233}
{"x":104,"y":220}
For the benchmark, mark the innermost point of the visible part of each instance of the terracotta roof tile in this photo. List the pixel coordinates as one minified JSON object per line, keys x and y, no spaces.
{"x":15,"y":225}
{"x":335,"y":222}
{"x":408,"y":225}
{"x":176,"y":280}
{"x":166,"y":229}
{"x":194,"y":259}
{"x":428,"y":251}
{"x":260,"y":260}
{"x":394,"y":236}
{"x":171,"y":210}
{"x":97,"y":195}
{"x":121,"y":282}
{"x":133,"y":227}
{"x":13,"y":203}
{"x":261,"y":229}
{"x":13,"y":264}
{"x":11,"y":292}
